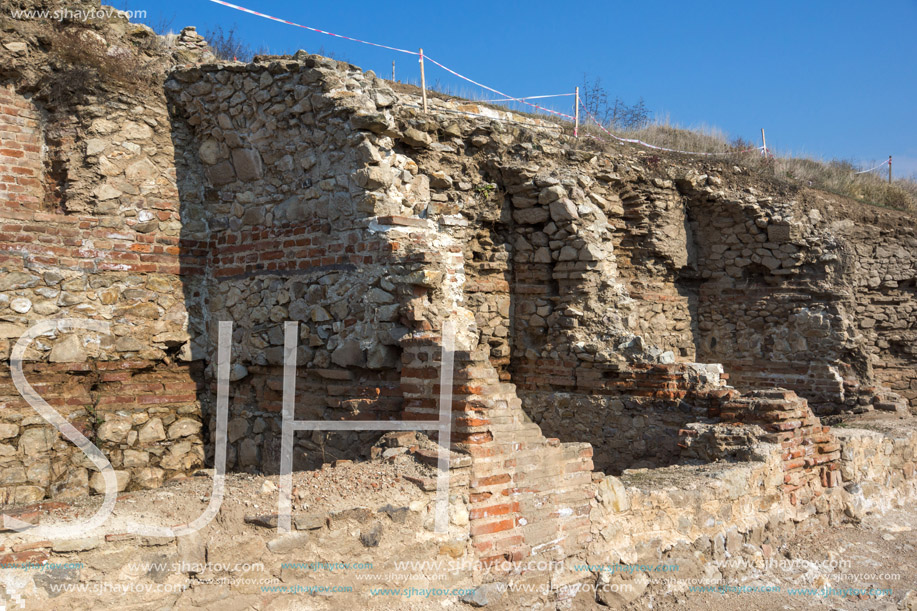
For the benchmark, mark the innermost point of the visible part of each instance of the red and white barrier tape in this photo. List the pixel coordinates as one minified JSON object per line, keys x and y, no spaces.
{"x":531,"y":97}
{"x":492,"y":90}
{"x":305,"y":27}
{"x":875,"y":168}
{"x":506,"y":97}
{"x":365,"y":42}
{"x":660,"y":148}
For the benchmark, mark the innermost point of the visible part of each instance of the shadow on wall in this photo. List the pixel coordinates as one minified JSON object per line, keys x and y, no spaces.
{"x":272,"y":231}
{"x":542,"y":282}
{"x":772,"y":307}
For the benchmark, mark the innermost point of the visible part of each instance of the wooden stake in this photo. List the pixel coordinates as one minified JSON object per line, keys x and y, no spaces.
{"x":576,"y":116}
{"x":889,"y":169}
{"x":423,"y":82}
{"x":393,"y":71}
{"x":764,"y":143}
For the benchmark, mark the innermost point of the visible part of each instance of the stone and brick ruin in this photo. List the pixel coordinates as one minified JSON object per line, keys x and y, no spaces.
{"x":622,"y":316}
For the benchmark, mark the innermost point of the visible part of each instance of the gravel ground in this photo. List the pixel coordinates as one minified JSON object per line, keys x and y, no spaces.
{"x":880,"y":553}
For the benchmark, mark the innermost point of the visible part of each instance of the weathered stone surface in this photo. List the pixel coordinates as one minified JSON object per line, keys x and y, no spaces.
{"x":184,"y":427}
{"x":583,"y":283}
{"x":486,"y":594}
{"x":140,"y":170}
{"x":348,"y":354}
{"x":372,"y":537}
{"x":247,"y":164}
{"x":374,"y":177}
{"x":269,"y":521}
{"x":616,"y":597}
{"x":149,"y":477}
{"x":36,"y":440}
{"x":611,"y":492}
{"x":97,"y":481}
{"x":375,"y":122}
{"x":222,"y":173}
{"x":54,"y":580}
{"x":76,"y":545}
{"x":136,"y":458}
{"x":21,"y":305}
{"x":128,"y":344}
{"x":416,"y":138}
{"x":551,"y":194}
{"x":17,"y":280}
{"x":248,"y":453}
{"x":531,"y":216}
{"x":114,"y":430}
{"x":288,"y":543}
{"x":68,"y":350}
{"x":563,"y":210}
{"x":210,"y":151}
{"x":152,"y":431}
{"x":106,"y":192}
{"x":309,"y":521}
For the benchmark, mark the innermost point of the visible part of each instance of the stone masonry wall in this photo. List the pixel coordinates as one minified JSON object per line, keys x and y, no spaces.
{"x":810,"y":453}
{"x":146,"y":422}
{"x":813,"y":285}
{"x":582,"y":284}
{"x":768,"y":300}
{"x":884,"y":269}
{"x":89,"y":229}
{"x":342,"y":242}
{"x":542,"y":281}
{"x":632,"y":418}
{"x":739,"y":507}
{"x":289,"y":195}
{"x":654,"y":246}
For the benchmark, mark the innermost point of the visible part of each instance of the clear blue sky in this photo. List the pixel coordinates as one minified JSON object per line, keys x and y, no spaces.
{"x":829,"y":79}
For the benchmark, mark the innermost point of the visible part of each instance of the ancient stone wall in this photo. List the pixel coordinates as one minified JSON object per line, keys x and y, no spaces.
{"x":89,"y":229}
{"x":632,"y":418}
{"x":654,"y":247}
{"x":146,"y":422}
{"x":876,"y":461}
{"x":296,"y":207}
{"x":582,"y":284}
{"x":766,"y":304}
{"x":778,"y":290}
{"x":333,"y":236}
{"x":884,"y":272}
{"x":808,"y":451}
{"x":692,"y":517}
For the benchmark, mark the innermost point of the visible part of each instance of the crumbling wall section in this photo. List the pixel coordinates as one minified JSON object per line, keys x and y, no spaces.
{"x":581,"y":282}
{"x":884,"y":282}
{"x":632,"y":417}
{"x":655,"y":249}
{"x":773,"y":290}
{"x":809,"y":452}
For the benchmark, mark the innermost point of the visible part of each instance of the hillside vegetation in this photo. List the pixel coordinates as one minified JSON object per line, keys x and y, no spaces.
{"x":835,"y":176}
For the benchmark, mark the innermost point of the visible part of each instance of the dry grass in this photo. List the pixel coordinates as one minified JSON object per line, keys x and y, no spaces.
{"x":835,"y":176}
{"x":840,"y":177}
{"x":82,"y":61}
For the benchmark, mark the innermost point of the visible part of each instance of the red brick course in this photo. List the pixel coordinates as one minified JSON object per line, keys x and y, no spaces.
{"x":21,"y":165}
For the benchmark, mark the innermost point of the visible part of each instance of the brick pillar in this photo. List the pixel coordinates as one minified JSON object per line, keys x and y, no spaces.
{"x":529,"y":496}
